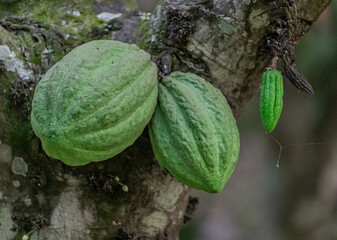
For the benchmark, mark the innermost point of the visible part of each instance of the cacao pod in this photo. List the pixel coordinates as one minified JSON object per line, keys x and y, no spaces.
{"x":271,"y":99}
{"x":95,"y":102}
{"x":298,"y":80}
{"x":193,"y":132}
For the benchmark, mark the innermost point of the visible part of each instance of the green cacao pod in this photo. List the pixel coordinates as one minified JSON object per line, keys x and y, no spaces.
{"x":95,"y":102}
{"x":271,"y":99}
{"x":193,"y":132}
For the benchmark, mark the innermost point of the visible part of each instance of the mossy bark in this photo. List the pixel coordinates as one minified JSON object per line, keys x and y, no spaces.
{"x":219,"y":40}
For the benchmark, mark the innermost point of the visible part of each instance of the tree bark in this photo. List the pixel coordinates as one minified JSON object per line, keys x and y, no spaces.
{"x":129,"y":196}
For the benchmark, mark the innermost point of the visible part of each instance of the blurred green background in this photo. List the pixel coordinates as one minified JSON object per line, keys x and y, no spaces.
{"x":298,"y":200}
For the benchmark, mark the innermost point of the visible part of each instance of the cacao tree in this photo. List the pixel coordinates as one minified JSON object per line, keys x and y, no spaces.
{"x":229,"y":43}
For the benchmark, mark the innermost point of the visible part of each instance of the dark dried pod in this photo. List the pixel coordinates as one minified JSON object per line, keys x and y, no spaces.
{"x":298,"y":80}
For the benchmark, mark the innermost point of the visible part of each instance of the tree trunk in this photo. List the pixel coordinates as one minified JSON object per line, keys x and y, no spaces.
{"x":130,"y":196}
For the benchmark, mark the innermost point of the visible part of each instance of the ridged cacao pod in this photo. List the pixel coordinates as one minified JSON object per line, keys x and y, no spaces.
{"x":193,"y":132}
{"x":95,"y":102}
{"x":271,"y":99}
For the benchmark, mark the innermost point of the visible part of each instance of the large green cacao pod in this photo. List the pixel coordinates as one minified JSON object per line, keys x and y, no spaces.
{"x":193,"y":132}
{"x":271,"y":99}
{"x":95,"y":102}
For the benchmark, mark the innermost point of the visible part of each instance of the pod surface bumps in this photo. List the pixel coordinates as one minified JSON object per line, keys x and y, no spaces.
{"x":95,"y":102}
{"x":193,"y":132}
{"x":271,"y":99}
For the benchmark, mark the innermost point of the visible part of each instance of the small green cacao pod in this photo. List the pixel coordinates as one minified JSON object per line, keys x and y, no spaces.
{"x":193,"y":132}
{"x":95,"y":102}
{"x":271,"y":99}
